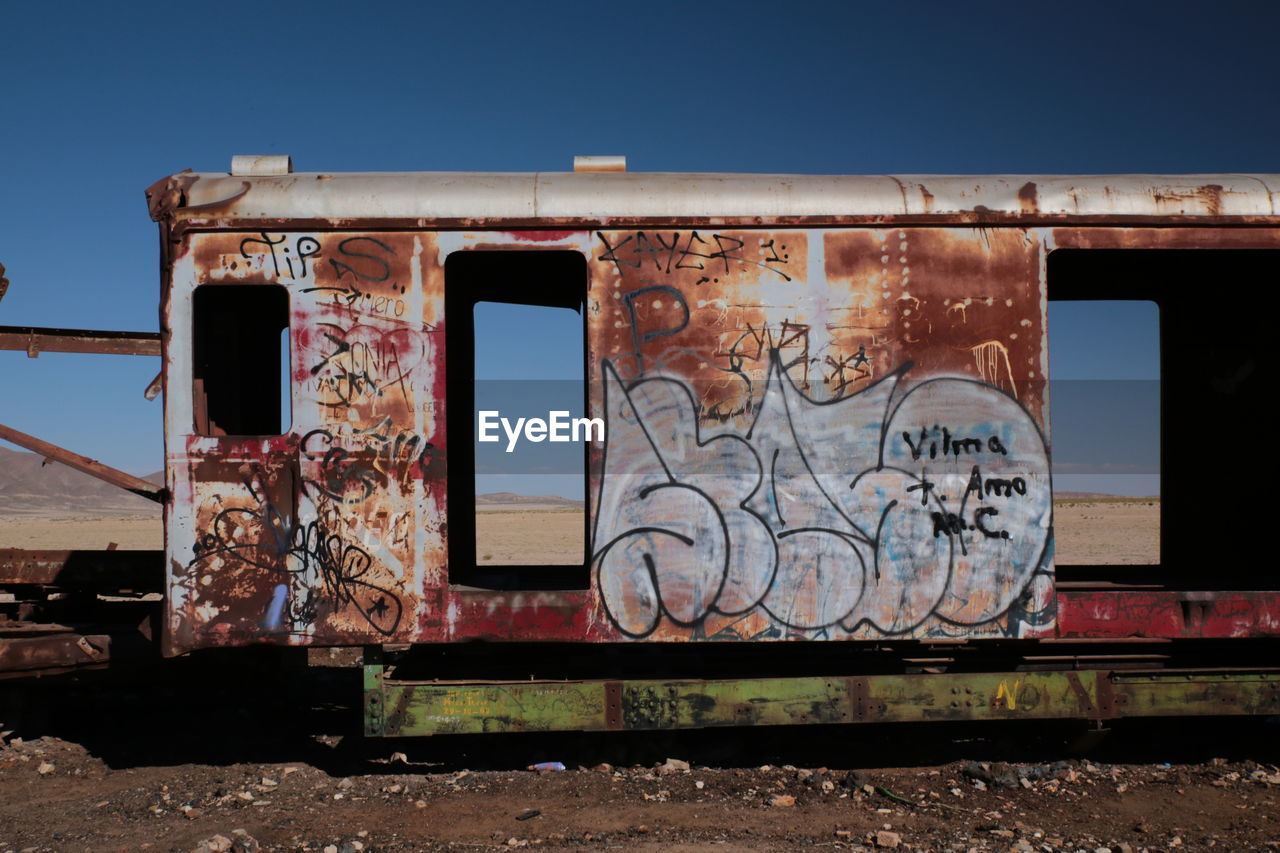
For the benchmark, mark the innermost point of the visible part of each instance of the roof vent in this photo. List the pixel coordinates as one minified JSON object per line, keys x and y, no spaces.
{"x":261,"y":165}
{"x":600,"y":163}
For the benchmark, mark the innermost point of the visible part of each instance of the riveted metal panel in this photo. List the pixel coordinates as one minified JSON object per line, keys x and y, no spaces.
{"x":820,"y":434}
{"x":811,"y":434}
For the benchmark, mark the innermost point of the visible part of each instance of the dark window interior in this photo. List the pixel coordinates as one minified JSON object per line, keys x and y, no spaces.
{"x":552,"y":279}
{"x":241,"y":362}
{"x":1214,"y":366}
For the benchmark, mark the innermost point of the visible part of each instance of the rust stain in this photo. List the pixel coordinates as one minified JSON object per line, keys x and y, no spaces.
{"x":1165,"y":238}
{"x":1028,"y":198}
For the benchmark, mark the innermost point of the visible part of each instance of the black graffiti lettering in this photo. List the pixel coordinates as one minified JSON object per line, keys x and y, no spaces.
{"x":723,"y":252}
{"x":644,"y":247}
{"x":670,"y":249}
{"x":341,"y":348}
{"x":378,"y":269}
{"x":688,"y":252}
{"x":611,"y":253}
{"x":974,"y":485}
{"x":775,"y":258}
{"x":983,"y":529}
{"x":303,"y":247}
{"x":915,"y":448}
{"x":950,"y":445}
{"x":1005,"y":488}
{"x":307,"y":247}
{"x":946,"y":523}
{"x":263,"y":239}
{"x":336,"y":567}
{"x":924,"y":487}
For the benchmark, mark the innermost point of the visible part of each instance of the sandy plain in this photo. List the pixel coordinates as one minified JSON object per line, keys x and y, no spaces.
{"x":1110,"y":531}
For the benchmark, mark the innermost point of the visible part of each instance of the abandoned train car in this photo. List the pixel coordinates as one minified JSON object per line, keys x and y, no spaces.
{"x":823,"y":490}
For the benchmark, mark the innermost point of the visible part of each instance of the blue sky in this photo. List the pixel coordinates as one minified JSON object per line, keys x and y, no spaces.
{"x":98,"y":100}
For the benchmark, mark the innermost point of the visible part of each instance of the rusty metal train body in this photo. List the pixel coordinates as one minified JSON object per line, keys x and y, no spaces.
{"x":826,"y":410}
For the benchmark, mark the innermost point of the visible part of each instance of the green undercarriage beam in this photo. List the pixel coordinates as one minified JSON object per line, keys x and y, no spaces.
{"x":396,"y":709}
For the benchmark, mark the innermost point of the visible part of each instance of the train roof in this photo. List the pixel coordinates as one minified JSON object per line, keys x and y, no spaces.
{"x":551,"y":199}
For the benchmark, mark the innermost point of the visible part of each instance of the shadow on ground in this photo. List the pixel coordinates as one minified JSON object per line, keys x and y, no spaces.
{"x":224,"y":709}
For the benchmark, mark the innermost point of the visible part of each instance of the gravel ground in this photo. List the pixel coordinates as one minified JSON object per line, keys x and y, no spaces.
{"x":223,"y":759}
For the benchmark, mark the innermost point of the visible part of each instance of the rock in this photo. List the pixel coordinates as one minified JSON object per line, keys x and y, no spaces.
{"x":330,"y":848}
{"x":699,"y":784}
{"x":782,"y":801}
{"x":243,"y":842}
{"x":855,"y":779}
{"x":603,"y":767}
{"x":345,"y":783}
{"x":214,"y":844}
{"x":191,"y":812}
{"x":673,"y":765}
{"x":885,"y":838}
{"x":45,"y":768}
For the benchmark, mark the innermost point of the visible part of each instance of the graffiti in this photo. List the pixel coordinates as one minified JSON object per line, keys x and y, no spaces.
{"x":328,"y":567}
{"x":714,"y":255}
{"x":362,"y":363}
{"x":302,"y":249}
{"x":357,"y":267}
{"x":362,"y":264}
{"x":351,"y":296}
{"x":819,"y":516}
{"x":352,"y":474}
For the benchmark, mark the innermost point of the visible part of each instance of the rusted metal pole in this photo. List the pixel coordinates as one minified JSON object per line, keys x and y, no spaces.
{"x":84,"y":464}
{"x":36,"y":340}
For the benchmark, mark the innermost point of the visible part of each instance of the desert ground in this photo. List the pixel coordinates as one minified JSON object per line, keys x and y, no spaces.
{"x":1121,"y":531}
{"x":203,"y":765}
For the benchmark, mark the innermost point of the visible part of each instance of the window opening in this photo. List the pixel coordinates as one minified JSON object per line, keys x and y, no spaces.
{"x":1212,"y":364}
{"x":240,"y":353}
{"x":515,"y":369}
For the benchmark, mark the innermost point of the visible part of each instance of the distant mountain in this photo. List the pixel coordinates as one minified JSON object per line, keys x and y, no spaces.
{"x":28,"y":486}
{"x":510,"y":498}
{"x":1093,"y":496}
